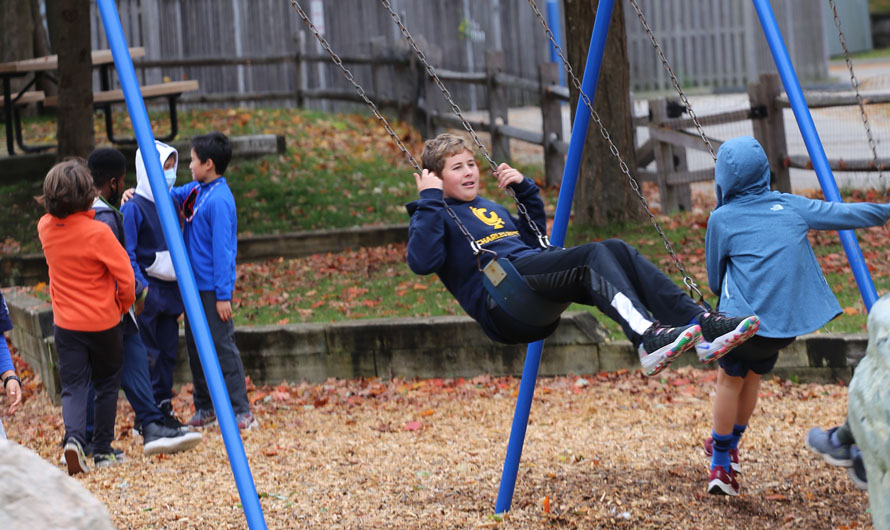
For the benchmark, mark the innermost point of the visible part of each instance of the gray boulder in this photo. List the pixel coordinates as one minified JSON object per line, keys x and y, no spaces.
{"x":869,"y":411}
{"x":34,"y":494}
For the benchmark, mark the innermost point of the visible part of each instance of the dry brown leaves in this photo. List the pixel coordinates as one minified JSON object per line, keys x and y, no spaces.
{"x":602,"y":451}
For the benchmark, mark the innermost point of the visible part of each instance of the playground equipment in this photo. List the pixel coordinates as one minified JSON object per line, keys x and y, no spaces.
{"x":185,"y":278}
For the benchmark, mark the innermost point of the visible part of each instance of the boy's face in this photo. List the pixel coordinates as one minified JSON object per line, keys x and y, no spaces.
{"x":460,"y":177}
{"x":201,"y":171}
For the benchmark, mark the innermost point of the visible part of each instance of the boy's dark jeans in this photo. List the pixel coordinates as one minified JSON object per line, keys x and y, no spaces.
{"x":223,"y":334}
{"x":135,"y":383}
{"x":86,"y":356}
{"x":591,"y":274}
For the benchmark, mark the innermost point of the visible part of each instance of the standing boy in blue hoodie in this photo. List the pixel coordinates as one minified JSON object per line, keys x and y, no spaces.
{"x":760,"y":261}
{"x":657,"y":316}
{"x":153,"y":268}
{"x":210,"y":232}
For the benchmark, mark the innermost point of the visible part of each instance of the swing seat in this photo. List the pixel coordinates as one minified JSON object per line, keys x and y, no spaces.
{"x":512,"y":293}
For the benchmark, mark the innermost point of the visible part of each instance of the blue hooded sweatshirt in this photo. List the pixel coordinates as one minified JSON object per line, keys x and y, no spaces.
{"x":758,"y":256}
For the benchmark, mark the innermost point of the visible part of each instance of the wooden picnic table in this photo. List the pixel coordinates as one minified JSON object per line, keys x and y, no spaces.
{"x":42,"y":66}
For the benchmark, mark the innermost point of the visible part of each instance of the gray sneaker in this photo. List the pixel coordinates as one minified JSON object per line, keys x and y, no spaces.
{"x":819,"y":442}
{"x":108,"y":459}
{"x":857,"y":471}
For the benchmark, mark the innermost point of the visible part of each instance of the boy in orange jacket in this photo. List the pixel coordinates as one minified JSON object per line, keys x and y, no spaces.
{"x":91,"y":286}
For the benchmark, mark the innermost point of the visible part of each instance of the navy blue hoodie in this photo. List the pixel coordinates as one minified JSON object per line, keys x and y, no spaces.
{"x":436,"y":244}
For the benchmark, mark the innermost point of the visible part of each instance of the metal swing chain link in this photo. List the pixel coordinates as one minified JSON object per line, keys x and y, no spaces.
{"x":361,"y":92}
{"x":542,"y":238}
{"x":854,"y":81}
{"x":674,"y":81}
{"x":635,"y":186}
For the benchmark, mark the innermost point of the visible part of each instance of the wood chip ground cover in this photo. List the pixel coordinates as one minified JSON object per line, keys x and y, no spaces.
{"x":610,"y":450}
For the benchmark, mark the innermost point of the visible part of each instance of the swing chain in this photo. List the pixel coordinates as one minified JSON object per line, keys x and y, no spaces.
{"x":349,"y":77}
{"x":542,"y":238}
{"x":635,"y":186}
{"x":854,"y":81}
{"x":674,"y":81}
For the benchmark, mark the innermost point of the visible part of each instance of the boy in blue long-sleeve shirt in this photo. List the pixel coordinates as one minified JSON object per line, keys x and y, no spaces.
{"x":210,"y":232}
{"x":759,"y":260}
{"x":656,"y":315}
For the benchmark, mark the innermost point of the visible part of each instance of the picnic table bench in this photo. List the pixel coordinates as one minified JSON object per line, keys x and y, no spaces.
{"x":103,"y":99}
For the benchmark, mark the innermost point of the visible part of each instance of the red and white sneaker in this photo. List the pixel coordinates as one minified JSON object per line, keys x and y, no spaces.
{"x":722,"y":483}
{"x":720,"y":334}
{"x":733,"y":455}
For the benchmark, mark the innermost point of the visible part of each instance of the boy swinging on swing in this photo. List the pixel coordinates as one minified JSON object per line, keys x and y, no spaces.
{"x":657,"y":316}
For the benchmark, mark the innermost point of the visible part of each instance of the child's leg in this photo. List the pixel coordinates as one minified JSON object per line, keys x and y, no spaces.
{"x":748,"y":398}
{"x":661,"y":296}
{"x":136,"y":382}
{"x":726,"y":403}
{"x":168,"y":344}
{"x":148,"y":333}
{"x":223,"y":334}
{"x":74,"y":376}
{"x":200,"y":392}
{"x":106,"y":361}
{"x":588,"y":274}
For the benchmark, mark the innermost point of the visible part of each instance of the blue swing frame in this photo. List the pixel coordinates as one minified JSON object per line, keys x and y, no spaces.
{"x":564,"y":205}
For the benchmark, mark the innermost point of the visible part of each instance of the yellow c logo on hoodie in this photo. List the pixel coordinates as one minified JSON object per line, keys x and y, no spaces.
{"x":492,"y":219}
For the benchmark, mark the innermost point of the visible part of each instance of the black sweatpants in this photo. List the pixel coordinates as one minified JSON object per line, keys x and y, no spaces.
{"x":613,"y":277}
{"x":223,"y":334}
{"x":86,"y":356}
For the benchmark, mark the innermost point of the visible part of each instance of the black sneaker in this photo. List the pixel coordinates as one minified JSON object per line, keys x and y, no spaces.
{"x":170,"y":419}
{"x":720,"y":334}
{"x":160,"y":438}
{"x":662,"y":344}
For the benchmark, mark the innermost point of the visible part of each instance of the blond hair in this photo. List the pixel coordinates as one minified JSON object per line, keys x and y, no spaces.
{"x":68,"y":188}
{"x":435,"y":151}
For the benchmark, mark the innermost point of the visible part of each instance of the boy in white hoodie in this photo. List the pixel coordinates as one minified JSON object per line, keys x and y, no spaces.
{"x":147,"y":248}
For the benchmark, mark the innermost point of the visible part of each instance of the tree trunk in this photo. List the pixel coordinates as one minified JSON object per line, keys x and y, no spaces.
{"x":15,"y":39}
{"x":604,"y":194}
{"x":75,"y":125}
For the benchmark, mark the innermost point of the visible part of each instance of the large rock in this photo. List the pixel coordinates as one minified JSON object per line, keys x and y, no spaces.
{"x":34,"y":494}
{"x":869,"y":411}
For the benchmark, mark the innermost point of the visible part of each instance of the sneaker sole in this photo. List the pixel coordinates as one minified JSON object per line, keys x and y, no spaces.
{"x":848,"y":463}
{"x":740,"y":334}
{"x":172,"y":445}
{"x":672,"y":351}
{"x":859,"y":483}
{"x":718,"y":487}
{"x":74,"y":463}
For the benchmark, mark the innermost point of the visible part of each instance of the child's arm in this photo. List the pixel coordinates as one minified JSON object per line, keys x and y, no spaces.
{"x":527,"y":192}
{"x":824,"y":215}
{"x":7,"y":369}
{"x":115,"y":258}
{"x":132,"y":220}
{"x":715,"y":256}
{"x":426,"y":232}
{"x":223,"y":247}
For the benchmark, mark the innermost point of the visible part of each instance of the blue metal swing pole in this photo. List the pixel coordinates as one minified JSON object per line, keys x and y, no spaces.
{"x":560,"y":224}
{"x":186,"y":279}
{"x":814,"y":145}
{"x":555,"y":23}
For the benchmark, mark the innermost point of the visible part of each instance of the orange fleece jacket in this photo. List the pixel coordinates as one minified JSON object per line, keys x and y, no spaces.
{"x":85,"y":260}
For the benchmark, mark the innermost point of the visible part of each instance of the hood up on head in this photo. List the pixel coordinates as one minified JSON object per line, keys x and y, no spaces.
{"x":142,"y":186}
{"x":742,"y":169}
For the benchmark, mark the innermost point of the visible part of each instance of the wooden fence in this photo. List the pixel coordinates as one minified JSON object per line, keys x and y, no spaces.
{"x":717,"y":43}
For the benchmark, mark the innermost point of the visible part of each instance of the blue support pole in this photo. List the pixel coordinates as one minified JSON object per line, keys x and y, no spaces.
{"x":555,"y":24}
{"x":186,"y":279}
{"x":814,"y":145}
{"x":560,"y":224}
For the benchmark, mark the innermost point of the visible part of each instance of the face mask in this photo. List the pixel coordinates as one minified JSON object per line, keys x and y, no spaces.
{"x":170,"y":176}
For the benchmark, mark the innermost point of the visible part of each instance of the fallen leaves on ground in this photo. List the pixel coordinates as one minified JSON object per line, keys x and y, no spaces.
{"x":618,"y":451}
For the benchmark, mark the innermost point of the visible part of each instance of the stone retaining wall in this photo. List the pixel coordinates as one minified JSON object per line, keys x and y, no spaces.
{"x":425,"y":348}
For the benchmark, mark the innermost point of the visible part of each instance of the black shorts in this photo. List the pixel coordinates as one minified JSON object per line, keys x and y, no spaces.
{"x":757,"y":354}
